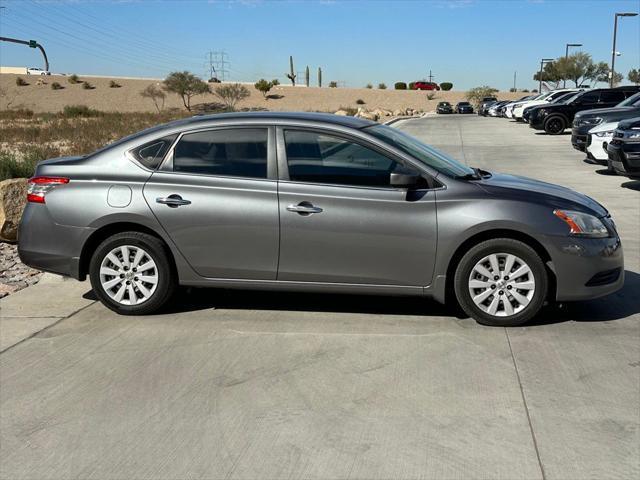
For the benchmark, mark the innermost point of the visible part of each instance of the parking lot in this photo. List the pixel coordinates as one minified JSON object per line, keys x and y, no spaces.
{"x":238,"y":384}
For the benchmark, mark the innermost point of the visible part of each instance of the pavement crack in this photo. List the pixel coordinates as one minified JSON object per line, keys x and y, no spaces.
{"x":526,"y":407}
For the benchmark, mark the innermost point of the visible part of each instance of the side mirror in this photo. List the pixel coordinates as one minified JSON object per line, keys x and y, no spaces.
{"x":404,"y":180}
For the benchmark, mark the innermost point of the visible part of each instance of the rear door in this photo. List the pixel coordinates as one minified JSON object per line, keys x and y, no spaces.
{"x":611,"y":98}
{"x":217,"y":198}
{"x":341,"y":221}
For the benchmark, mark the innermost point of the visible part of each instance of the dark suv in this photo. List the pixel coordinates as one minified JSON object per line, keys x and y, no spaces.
{"x":555,"y":118}
{"x":585,"y":121}
{"x":624,"y":149}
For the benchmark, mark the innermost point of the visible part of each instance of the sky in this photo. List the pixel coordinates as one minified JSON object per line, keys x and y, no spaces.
{"x":466,"y":42}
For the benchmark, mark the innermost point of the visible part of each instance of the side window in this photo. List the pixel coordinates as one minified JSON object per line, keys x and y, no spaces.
{"x":238,"y":152}
{"x":588,"y":98}
{"x":611,"y":96}
{"x":320,"y":158}
{"x":151,"y":154}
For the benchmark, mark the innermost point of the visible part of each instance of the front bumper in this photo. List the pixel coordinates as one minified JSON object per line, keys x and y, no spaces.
{"x":586,"y":268}
{"x":625,"y":158}
{"x":579,"y":141}
{"x":48,"y":246}
{"x":597,"y":149}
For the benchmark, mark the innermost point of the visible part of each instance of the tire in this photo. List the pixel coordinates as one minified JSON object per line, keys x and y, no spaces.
{"x":525,"y":302}
{"x":125,"y":289}
{"x":555,"y":125}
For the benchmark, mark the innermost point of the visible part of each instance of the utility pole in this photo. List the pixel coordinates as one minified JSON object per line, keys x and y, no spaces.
{"x":218,"y":64}
{"x":566,"y":55}
{"x":542,"y":62}
{"x":613,"y":52}
{"x":430,"y":76}
{"x":515,"y":76}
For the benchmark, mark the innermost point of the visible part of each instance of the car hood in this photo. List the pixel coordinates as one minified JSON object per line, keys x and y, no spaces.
{"x":613,"y":112}
{"x":528,"y":189}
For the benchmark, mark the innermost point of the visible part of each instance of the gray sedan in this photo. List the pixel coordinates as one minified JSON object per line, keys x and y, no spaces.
{"x":312,"y":202}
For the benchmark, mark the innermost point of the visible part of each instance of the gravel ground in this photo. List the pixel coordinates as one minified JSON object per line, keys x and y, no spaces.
{"x":14,"y":275}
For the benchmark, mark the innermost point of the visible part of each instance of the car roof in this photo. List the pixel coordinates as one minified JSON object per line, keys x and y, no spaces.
{"x":341,"y":120}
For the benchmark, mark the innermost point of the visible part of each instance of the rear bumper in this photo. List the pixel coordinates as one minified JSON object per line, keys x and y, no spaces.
{"x":586,"y":268}
{"x":46,"y":245}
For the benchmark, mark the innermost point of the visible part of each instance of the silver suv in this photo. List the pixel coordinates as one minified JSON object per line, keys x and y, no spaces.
{"x":312,"y":202}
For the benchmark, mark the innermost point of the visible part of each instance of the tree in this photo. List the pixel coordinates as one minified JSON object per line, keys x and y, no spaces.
{"x":155,"y":94}
{"x":550,"y":74}
{"x":186,"y":85}
{"x":446,"y":86}
{"x":634,"y":76}
{"x":476,"y":94}
{"x":263,"y":86}
{"x":231,"y":94}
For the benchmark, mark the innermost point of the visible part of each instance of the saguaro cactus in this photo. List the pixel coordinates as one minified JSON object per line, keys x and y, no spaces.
{"x":319,"y":77}
{"x":306,"y":76}
{"x":291,"y":76}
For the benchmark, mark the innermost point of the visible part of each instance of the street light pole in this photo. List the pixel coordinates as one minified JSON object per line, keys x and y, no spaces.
{"x":542,"y":62}
{"x":613,"y":52}
{"x":566,"y":55}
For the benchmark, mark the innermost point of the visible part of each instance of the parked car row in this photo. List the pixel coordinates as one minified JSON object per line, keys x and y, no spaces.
{"x":605,"y":122}
{"x":461,"y":107}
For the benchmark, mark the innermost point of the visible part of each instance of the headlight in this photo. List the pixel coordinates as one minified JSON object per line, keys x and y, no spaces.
{"x":604,"y":134}
{"x":590,"y":121}
{"x":582,"y":224}
{"x":632,"y":135}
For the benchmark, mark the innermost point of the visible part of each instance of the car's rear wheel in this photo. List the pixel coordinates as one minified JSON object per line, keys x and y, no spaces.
{"x":501,"y":282}
{"x":555,"y":125}
{"x":131,"y":273}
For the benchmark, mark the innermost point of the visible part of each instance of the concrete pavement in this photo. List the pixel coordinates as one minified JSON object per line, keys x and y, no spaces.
{"x":234,"y":384}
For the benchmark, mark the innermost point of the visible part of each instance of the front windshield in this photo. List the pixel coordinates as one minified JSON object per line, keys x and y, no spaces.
{"x":563,"y":98}
{"x":418,"y":150}
{"x":572,"y":97}
{"x":632,"y":101}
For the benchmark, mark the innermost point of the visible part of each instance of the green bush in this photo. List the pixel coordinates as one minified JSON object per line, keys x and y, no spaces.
{"x":56,"y":86}
{"x":21,"y":82}
{"x":263,"y":86}
{"x":446,"y":86}
{"x":475,"y":95}
{"x":87,"y":86}
{"x":400,"y":86}
{"x":512,"y":89}
{"x":382,"y":86}
{"x":275,"y":82}
{"x":73,"y":79}
{"x":360,"y":101}
{"x":74,"y":111}
{"x":412,"y":85}
{"x":369,"y":86}
{"x":333,"y":84}
{"x":114,"y":84}
{"x":526,"y":90}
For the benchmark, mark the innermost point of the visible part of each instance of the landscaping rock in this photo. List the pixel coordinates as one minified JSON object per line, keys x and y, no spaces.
{"x":362,"y":113}
{"x":344,"y":113}
{"x":399,"y":113}
{"x":14,"y":275}
{"x":13,"y":198}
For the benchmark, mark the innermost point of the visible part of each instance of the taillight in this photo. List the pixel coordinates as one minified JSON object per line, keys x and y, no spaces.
{"x":38,"y":187}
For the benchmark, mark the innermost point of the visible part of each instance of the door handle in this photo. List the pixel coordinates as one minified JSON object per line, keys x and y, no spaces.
{"x":304,"y":208}
{"x":173,"y":201}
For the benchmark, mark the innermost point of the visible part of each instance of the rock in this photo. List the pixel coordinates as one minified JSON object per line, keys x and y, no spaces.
{"x":13,"y":198}
{"x":399,"y":113}
{"x":367,"y":115}
{"x":387,"y":113}
{"x":344,"y":113}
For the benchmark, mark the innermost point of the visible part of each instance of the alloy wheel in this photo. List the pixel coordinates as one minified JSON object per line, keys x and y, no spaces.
{"x":129,"y":275}
{"x":501,"y":284}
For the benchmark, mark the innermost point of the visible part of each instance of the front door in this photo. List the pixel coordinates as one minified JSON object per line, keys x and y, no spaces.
{"x":342,"y":222}
{"x":219,"y":204}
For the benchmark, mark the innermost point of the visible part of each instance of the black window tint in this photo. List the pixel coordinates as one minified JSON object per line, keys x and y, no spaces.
{"x":591,"y":97}
{"x":612,"y":96}
{"x":229,"y":152}
{"x":151,"y":154}
{"x":319,"y":158}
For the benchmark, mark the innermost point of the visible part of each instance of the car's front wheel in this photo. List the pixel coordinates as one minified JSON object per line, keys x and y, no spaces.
{"x":501,"y":282}
{"x":555,"y":125}
{"x":131,"y":273}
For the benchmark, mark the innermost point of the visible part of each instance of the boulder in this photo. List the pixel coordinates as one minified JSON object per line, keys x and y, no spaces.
{"x":13,"y":198}
{"x":344,"y":113}
{"x":367,"y":115}
{"x":399,"y":113}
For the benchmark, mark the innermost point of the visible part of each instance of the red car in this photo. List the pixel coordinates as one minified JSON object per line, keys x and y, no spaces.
{"x":424,"y":85}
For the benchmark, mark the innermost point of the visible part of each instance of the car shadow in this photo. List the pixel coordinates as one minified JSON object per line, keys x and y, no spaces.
{"x":632,"y":185}
{"x":606,"y":172}
{"x":558,"y":135}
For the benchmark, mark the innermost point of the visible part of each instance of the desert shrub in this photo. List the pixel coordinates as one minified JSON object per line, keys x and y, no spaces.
{"x":231,"y":94}
{"x":75,"y":111}
{"x":12,"y":167}
{"x":114,"y":84}
{"x":73,"y":79}
{"x":263,"y":86}
{"x":16,"y":114}
{"x":21,"y":82}
{"x":56,"y":86}
{"x":400,"y":86}
{"x":431,"y":96}
{"x":512,"y":89}
{"x":382,"y":86}
{"x":156,"y":95}
{"x":87,"y":86}
{"x":186,"y":85}
{"x":446,"y":86}
{"x":350,"y":110}
{"x":369,"y":86}
{"x":333,"y":84}
{"x":475,"y":95}
{"x":360,"y":101}
{"x":275,"y":82}
{"x":412,"y":85}
{"x":526,"y":90}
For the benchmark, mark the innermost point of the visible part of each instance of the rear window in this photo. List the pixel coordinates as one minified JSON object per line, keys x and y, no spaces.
{"x":151,"y":154}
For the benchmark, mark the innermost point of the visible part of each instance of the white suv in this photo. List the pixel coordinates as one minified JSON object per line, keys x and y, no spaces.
{"x":37,"y":71}
{"x":518,"y":108}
